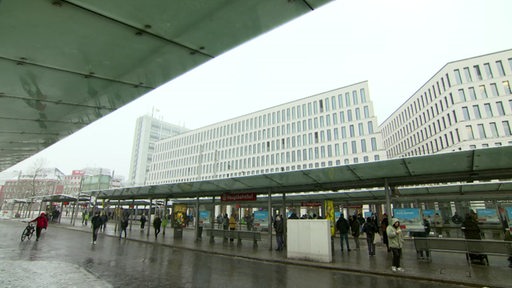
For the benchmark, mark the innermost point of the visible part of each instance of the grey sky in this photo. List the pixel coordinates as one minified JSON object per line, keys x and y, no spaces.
{"x":396,"y":45}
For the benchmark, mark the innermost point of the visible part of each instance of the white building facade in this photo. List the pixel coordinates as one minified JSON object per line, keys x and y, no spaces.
{"x":329,"y":129}
{"x":466,"y":105}
{"x":148,"y":131}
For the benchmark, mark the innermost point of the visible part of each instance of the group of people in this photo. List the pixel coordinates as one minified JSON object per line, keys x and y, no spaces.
{"x":391,"y":232}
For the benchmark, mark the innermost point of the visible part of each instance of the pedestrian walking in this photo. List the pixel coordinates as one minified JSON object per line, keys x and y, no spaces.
{"x":370,"y":229}
{"x":355,"y":227}
{"x":343,"y":226}
{"x":396,"y":242}
{"x":41,"y":223}
{"x":157,"y":223}
{"x":142,"y":221}
{"x":279,"y":228}
{"x":104,"y":220}
{"x":96,"y":224}
{"x":123,"y":225}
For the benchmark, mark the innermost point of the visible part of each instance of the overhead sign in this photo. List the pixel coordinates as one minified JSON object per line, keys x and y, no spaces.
{"x":238,"y":197}
{"x":311,"y":204}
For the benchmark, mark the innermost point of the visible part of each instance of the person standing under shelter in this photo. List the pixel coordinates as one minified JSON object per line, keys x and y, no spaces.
{"x":370,"y":229}
{"x":383,"y":226}
{"x":396,"y":242}
{"x":343,"y":226}
{"x":41,"y":223}
{"x":232,"y":225}
{"x":157,"y":223}
{"x":279,"y":227}
{"x":96,"y":224}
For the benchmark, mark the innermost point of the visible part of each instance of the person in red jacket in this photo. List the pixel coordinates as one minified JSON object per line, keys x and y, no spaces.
{"x":42,"y":223}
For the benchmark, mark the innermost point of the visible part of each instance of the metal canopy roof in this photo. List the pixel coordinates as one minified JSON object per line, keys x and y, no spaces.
{"x":449,"y":192}
{"x":464,"y":166}
{"x":67,"y":63}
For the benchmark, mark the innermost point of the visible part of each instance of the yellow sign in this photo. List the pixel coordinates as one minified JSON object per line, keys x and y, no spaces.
{"x":329,"y":215}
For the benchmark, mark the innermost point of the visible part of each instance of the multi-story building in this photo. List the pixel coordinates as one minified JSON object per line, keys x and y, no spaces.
{"x":328,"y":129}
{"x":73,"y":182}
{"x":148,"y":131}
{"x":465,"y":105}
{"x":96,"y":179}
{"x":45,"y":181}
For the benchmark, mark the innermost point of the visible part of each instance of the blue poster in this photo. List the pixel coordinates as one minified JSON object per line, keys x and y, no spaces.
{"x":429,"y":213}
{"x":410,"y":218}
{"x":509,"y":216}
{"x":204,"y":217}
{"x":337,"y":214}
{"x":261,"y":219}
{"x":487,"y":216}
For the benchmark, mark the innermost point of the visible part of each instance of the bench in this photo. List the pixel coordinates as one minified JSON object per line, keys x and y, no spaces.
{"x":255,"y":236}
{"x":467,"y":246}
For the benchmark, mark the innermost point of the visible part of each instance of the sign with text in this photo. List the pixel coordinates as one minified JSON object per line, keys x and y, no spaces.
{"x":311,"y":204}
{"x":238,"y":197}
{"x":410,"y":218}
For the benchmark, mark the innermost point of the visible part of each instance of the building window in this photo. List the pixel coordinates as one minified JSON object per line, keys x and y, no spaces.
{"x":501,"y":111}
{"x":476,"y":111}
{"x":458,"y":79}
{"x":472,"y":94}
{"x":488,"y":110}
{"x":488,"y":70}
{"x":477,"y":72}
{"x":483,"y":92}
{"x":506,"y":87}
{"x":481,"y":131}
{"x":494,"y":90}
{"x":506,"y":128}
{"x":469,"y":132}
{"x":494,"y":130}
{"x":462,"y":95}
{"x":363,"y":95}
{"x":467,"y":73}
{"x":501,"y":71}
{"x":465,"y":113}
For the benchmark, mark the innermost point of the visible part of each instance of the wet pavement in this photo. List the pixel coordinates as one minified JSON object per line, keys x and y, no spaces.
{"x":65,"y":257}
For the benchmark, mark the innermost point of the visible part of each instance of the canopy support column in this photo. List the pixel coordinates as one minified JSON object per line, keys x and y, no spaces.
{"x":149,"y":216}
{"x":212,"y":220}
{"x":269,"y":220}
{"x":196,"y":226}
{"x":388,"y":198}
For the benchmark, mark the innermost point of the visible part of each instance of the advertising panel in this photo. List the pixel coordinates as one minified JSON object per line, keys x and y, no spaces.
{"x":410,"y":218}
{"x":261,"y":219}
{"x":204,"y":217}
{"x":488,"y":216}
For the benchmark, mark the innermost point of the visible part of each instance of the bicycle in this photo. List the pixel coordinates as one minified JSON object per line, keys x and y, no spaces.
{"x":28,"y":232}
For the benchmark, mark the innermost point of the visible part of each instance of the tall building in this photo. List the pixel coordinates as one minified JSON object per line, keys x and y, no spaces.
{"x":148,"y":131}
{"x":466,"y":105}
{"x":328,"y":129}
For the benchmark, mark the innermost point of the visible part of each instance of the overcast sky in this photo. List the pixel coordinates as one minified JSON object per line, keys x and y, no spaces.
{"x":397,"y":45}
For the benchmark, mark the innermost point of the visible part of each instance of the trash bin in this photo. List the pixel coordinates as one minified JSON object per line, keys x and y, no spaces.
{"x":178,"y":233}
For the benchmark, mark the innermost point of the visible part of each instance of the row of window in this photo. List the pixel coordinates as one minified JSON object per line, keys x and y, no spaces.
{"x":428,"y":145}
{"x":209,"y":171}
{"x":434,"y":91}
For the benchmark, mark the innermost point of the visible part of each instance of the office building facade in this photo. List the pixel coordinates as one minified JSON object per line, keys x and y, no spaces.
{"x":329,"y":129}
{"x":148,"y":130}
{"x":466,"y":105}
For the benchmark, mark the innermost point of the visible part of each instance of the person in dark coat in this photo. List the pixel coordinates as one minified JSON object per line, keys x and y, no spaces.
{"x":41,"y":223}
{"x":96,"y":223}
{"x":470,"y":227}
{"x":157,"y":223}
{"x":370,"y":229}
{"x":355,"y":227}
{"x":279,"y":227}
{"x":384,"y":225}
{"x":123,"y":224}
{"x":142,"y":221}
{"x":343,"y":226}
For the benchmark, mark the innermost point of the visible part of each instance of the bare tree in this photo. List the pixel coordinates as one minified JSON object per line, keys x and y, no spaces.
{"x":37,"y":170}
